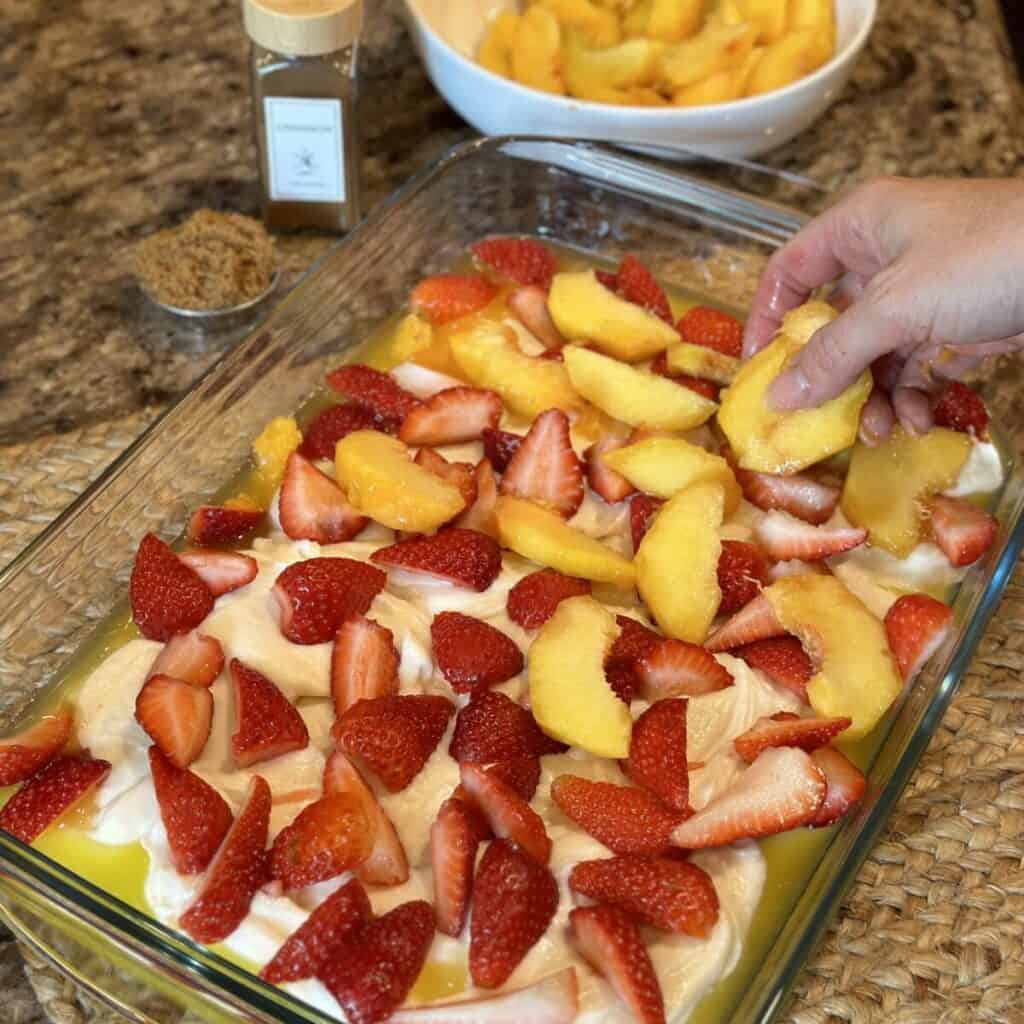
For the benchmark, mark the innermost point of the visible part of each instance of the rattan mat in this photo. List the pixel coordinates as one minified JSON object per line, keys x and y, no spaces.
{"x":933,"y":930}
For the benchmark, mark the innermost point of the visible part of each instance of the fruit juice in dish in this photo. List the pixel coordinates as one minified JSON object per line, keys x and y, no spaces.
{"x":554,"y":521}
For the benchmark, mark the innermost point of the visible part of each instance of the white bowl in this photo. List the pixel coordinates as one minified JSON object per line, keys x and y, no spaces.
{"x":447,"y":33}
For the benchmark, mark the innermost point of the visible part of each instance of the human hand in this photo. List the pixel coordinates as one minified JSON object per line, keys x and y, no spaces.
{"x":930,"y":282}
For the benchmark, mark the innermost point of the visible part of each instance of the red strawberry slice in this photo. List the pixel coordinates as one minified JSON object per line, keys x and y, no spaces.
{"x":214,"y":525}
{"x":481,"y":514}
{"x":521,"y":260}
{"x":611,"y":943}
{"x":447,"y":297}
{"x":635,"y":283}
{"x":799,"y":495}
{"x":781,"y":790}
{"x":329,"y":426}
{"x":313,"y":507}
{"x":24,"y":753}
{"x":194,"y":657}
{"x":533,"y":600}
{"x":622,"y":666}
{"x":386,"y":863}
{"x":167,"y":596}
{"x":545,"y":468}
{"x":500,"y":447}
{"x":48,"y":794}
{"x":664,"y":892}
{"x":454,"y":838}
{"x":221,"y":571}
{"x":961,"y":408}
{"x":334,"y":925}
{"x":395,"y":735}
{"x":845,"y":783}
{"x":376,"y":973}
{"x":712,"y":328}
{"x":755,"y":621}
{"x":514,"y":902}
{"x":604,"y":481}
{"x":675,"y":668}
{"x":268,"y":724}
{"x":177,"y":717}
{"x":452,"y":416}
{"x":522,"y":774}
{"x":461,"y":474}
{"x":470,"y":653}
{"x":315,"y":597}
{"x":375,"y":391}
{"x":465,"y":558}
{"x":492,"y":727}
{"x":742,"y":571}
{"x":238,"y":870}
{"x":784,"y":537}
{"x":788,"y":730}
{"x":962,"y":531}
{"x":916,"y":626}
{"x":507,"y":813}
{"x":625,"y":819}
{"x":657,"y":753}
{"x":783,"y":660}
{"x":642,"y":510}
{"x":196,"y":817}
{"x":529,"y":305}
{"x":364,"y":663}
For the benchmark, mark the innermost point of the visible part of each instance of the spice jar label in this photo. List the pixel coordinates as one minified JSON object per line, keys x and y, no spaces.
{"x":305,"y":147}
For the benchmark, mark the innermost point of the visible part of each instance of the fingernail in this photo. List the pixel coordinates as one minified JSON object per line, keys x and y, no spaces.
{"x":790,"y":390}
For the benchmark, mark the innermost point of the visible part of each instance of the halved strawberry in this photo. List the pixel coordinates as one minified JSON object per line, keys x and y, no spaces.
{"x":611,"y":943}
{"x":329,"y":426}
{"x":364,"y":663}
{"x":962,"y":531}
{"x":499,"y":447}
{"x":471,"y":653}
{"x":332,"y":926}
{"x":916,"y":625}
{"x":781,"y":790}
{"x":446,"y":297}
{"x":664,"y":892}
{"x":845,"y":784}
{"x":712,"y":328}
{"x":742,"y":572}
{"x":522,"y":774}
{"x":799,"y":495}
{"x":394,"y":735}
{"x":177,"y":717}
{"x":268,"y":723}
{"x":461,"y":474}
{"x":24,"y":753}
{"x":371,"y":389}
{"x":454,"y":838}
{"x":481,"y":514}
{"x":221,"y":571}
{"x":624,"y":818}
{"x":635,"y":283}
{"x":465,"y":558}
{"x":196,"y":817}
{"x":316,"y":596}
{"x":166,"y":595}
{"x":529,"y":305}
{"x":782,"y":536}
{"x":452,"y":416}
{"x":961,"y":408}
{"x":48,"y":794}
{"x":313,"y":507}
{"x":514,"y":901}
{"x":788,"y":730}
{"x":622,"y":665}
{"x":215,"y":525}
{"x":782,"y":659}
{"x":521,"y":260}
{"x":611,"y":486}
{"x":545,"y":468}
{"x":642,"y":510}
{"x":238,"y":870}
{"x":507,"y":813}
{"x":675,"y":668}
{"x":492,"y":727}
{"x":533,"y":600}
{"x":194,"y":657}
{"x":657,"y":753}
{"x":755,"y":621}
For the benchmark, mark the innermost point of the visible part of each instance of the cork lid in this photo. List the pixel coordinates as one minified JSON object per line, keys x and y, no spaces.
{"x":302,"y":28}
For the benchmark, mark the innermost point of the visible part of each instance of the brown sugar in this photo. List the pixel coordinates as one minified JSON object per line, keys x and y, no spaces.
{"x":212,"y":261}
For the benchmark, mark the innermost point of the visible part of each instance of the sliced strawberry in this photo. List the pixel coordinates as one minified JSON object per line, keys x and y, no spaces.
{"x":522,"y":774}
{"x":446,"y":297}
{"x":492,"y":727}
{"x":329,"y":426}
{"x":395,"y":735}
{"x":316,"y":596}
{"x":533,"y":600}
{"x":194,"y":657}
{"x":788,"y":730}
{"x":214,"y":525}
{"x":845,"y":784}
{"x":24,"y":753}
{"x":783,"y":537}
{"x":657,"y":753}
{"x":454,"y":838}
{"x":916,"y":626}
{"x":465,"y":558}
{"x":507,"y":813}
{"x":642,"y":510}
{"x":604,"y":481}
{"x":521,"y":260}
{"x":471,"y":653}
{"x":56,"y":788}
{"x":481,"y":515}
{"x":196,"y":817}
{"x":675,"y":668}
{"x":961,"y":408}
{"x":221,"y":571}
{"x":611,"y":944}
{"x":664,"y":892}
{"x":177,"y":717}
{"x":452,"y":416}
{"x":500,"y":447}
{"x":742,"y":572}
{"x":780,"y":791}
{"x":375,"y":391}
{"x":514,"y":902}
{"x":167,"y":596}
{"x":376,"y":973}
{"x":635,"y":283}
{"x":332,"y":926}
{"x":545,"y":468}
{"x":799,"y":495}
{"x":622,"y":666}
{"x":625,"y":819}
{"x":712,"y":328}
{"x":783,"y":660}
{"x":313,"y":507}
{"x":461,"y":474}
{"x":268,"y":724}
{"x":755,"y":621}
{"x":529,"y":305}
{"x":364,"y":663}
{"x":962,"y":531}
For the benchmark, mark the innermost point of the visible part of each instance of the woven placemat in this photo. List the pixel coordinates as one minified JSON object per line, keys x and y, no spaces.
{"x":932,"y":931}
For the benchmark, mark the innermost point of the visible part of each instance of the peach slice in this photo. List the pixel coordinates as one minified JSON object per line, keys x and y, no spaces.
{"x":698,"y":361}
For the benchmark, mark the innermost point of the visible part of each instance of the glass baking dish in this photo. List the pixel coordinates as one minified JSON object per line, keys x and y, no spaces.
{"x":697,"y":236}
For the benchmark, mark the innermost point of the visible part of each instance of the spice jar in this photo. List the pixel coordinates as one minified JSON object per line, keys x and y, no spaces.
{"x":304,"y":66}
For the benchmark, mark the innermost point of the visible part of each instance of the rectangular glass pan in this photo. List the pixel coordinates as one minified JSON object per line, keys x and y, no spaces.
{"x":698,"y":237}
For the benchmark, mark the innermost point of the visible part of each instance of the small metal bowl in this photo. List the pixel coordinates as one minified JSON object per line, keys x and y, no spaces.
{"x":227,"y":316}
